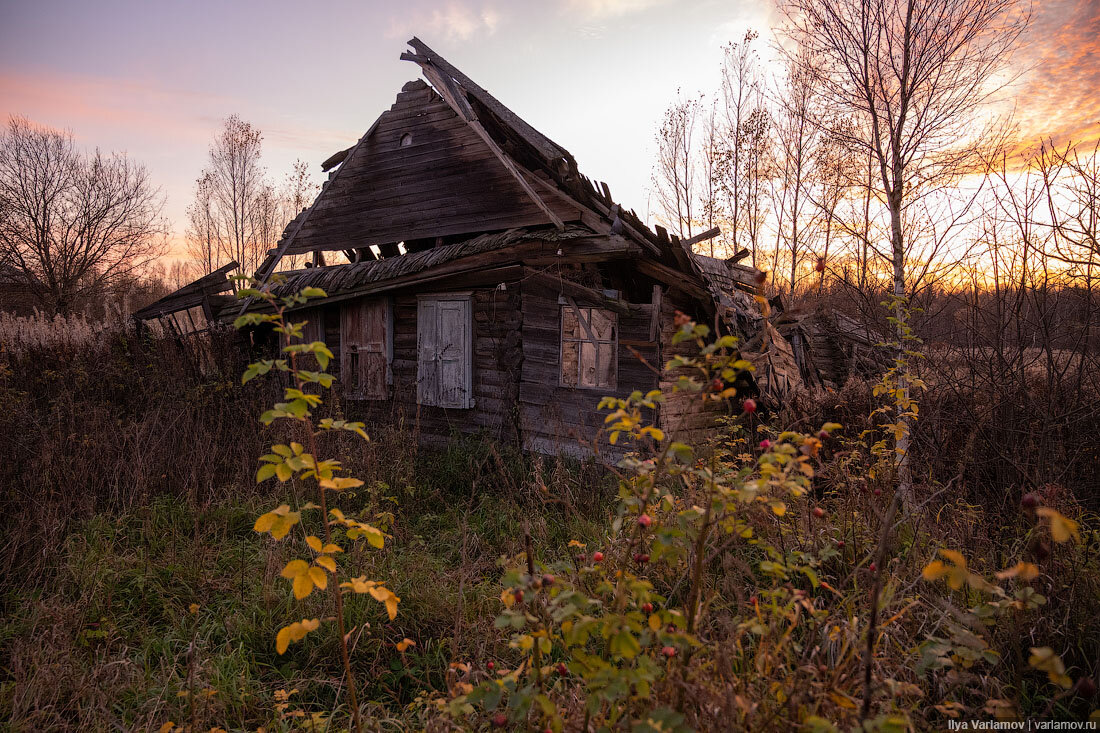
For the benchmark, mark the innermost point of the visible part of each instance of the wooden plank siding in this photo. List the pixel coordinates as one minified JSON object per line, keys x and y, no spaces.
{"x":560,"y":419}
{"x":495,"y":377}
{"x":684,"y":416}
{"x":423,"y":172}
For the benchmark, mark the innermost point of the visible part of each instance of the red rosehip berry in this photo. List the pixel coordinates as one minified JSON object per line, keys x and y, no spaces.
{"x":647,"y":607}
{"x":765,"y":444}
{"x":645,"y":520}
{"x":840,"y":544}
{"x":582,"y":557}
{"x":500,"y":720}
{"x":716,"y":385}
{"x":1086,"y":687}
{"x":878,"y":492}
{"x":872,"y":567}
{"x":643,"y":559}
{"x":822,"y":435}
{"x":819,"y":512}
{"x":753,"y":600}
{"x":562,"y":669}
{"x":669,"y":651}
{"x":597,"y":556}
{"x":672,"y":628}
{"x":548,"y":580}
{"x":519,"y":596}
{"x":1030,"y":500}
{"x":490,"y":666}
{"x":749,"y":406}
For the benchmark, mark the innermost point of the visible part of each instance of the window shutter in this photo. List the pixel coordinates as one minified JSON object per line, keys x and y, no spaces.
{"x":427,"y":378}
{"x":445,"y":348}
{"x":365,"y":346}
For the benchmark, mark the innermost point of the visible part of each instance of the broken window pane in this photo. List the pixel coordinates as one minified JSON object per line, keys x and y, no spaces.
{"x":588,"y":347}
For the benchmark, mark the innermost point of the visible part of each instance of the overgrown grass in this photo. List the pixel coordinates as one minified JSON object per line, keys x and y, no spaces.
{"x":130,"y":496}
{"x":103,"y":636}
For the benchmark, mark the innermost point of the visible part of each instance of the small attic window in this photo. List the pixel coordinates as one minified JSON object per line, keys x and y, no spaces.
{"x":406,"y":140}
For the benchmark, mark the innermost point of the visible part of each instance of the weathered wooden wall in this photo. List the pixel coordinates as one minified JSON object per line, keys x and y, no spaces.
{"x":421,"y":172}
{"x":556,"y":419}
{"x":496,"y":364}
{"x":684,"y":416}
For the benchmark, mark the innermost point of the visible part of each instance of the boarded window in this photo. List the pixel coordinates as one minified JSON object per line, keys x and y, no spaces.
{"x":589,"y":344}
{"x":444,"y":338}
{"x":366,"y":344}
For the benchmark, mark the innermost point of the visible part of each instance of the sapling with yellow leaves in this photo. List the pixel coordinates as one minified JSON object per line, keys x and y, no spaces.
{"x":604,"y":629}
{"x":298,"y":460}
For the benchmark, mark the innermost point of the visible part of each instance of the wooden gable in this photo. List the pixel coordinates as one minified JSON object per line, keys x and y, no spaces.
{"x":421,"y":172}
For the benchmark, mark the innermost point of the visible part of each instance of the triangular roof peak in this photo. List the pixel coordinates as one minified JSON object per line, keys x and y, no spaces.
{"x":426,"y":58}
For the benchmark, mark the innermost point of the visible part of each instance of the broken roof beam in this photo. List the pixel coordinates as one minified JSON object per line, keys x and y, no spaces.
{"x":708,"y":234}
{"x":445,"y":85}
{"x":546,"y":147}
{"x":336,"y":159}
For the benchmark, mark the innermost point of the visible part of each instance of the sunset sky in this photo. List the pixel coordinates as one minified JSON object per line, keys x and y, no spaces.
{"x":155,"y":79}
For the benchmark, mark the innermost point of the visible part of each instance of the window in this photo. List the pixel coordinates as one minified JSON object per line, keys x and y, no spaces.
{"x":589,"y":345}
{"x":444,"y":338}
{"x":366,"y":348}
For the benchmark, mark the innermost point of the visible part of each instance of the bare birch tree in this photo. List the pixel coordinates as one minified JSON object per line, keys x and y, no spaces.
{"x":73,"y":224}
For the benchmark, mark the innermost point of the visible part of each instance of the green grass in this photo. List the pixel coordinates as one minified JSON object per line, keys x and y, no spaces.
{"x":104,"y":636}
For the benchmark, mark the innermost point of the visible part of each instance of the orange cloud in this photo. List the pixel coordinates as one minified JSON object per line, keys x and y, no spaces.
{"x":1059,"y":97}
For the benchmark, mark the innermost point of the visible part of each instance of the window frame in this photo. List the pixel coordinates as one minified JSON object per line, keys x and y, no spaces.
{"x":582,"y":338}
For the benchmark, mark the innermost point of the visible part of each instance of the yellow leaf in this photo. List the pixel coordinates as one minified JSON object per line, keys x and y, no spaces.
{"x":303,"y":586}
{"x":264,"y":524}
{"x":337,"y":513}
{"x":295,"y":568}
{"x":1044,"y":658}
{"x":778,"y":507}
{"x":314,"y":543}
{"x":405,"y":644}
{"x":327,"y":563}
{"x":934,"y":570}
{"x":317,"y":575}
{"x":1023,"y":570}
{"x":167,"y":727}
{"x":955,"y":557}
{"x":294,"y":632}
{"x":331,"y":548}
{"x":340,"y":484}
{"x":1061,"y":528}
{"x":283,"y":472}
{"x":654,"y":622}
{"x":194,"y":609}
{"x":842,"y":700}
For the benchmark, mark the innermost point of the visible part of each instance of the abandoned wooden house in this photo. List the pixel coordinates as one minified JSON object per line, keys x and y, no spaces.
{"x":491,"y":287}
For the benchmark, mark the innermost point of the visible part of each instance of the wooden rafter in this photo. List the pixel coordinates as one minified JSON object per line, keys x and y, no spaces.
{"x":445,"y":85}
